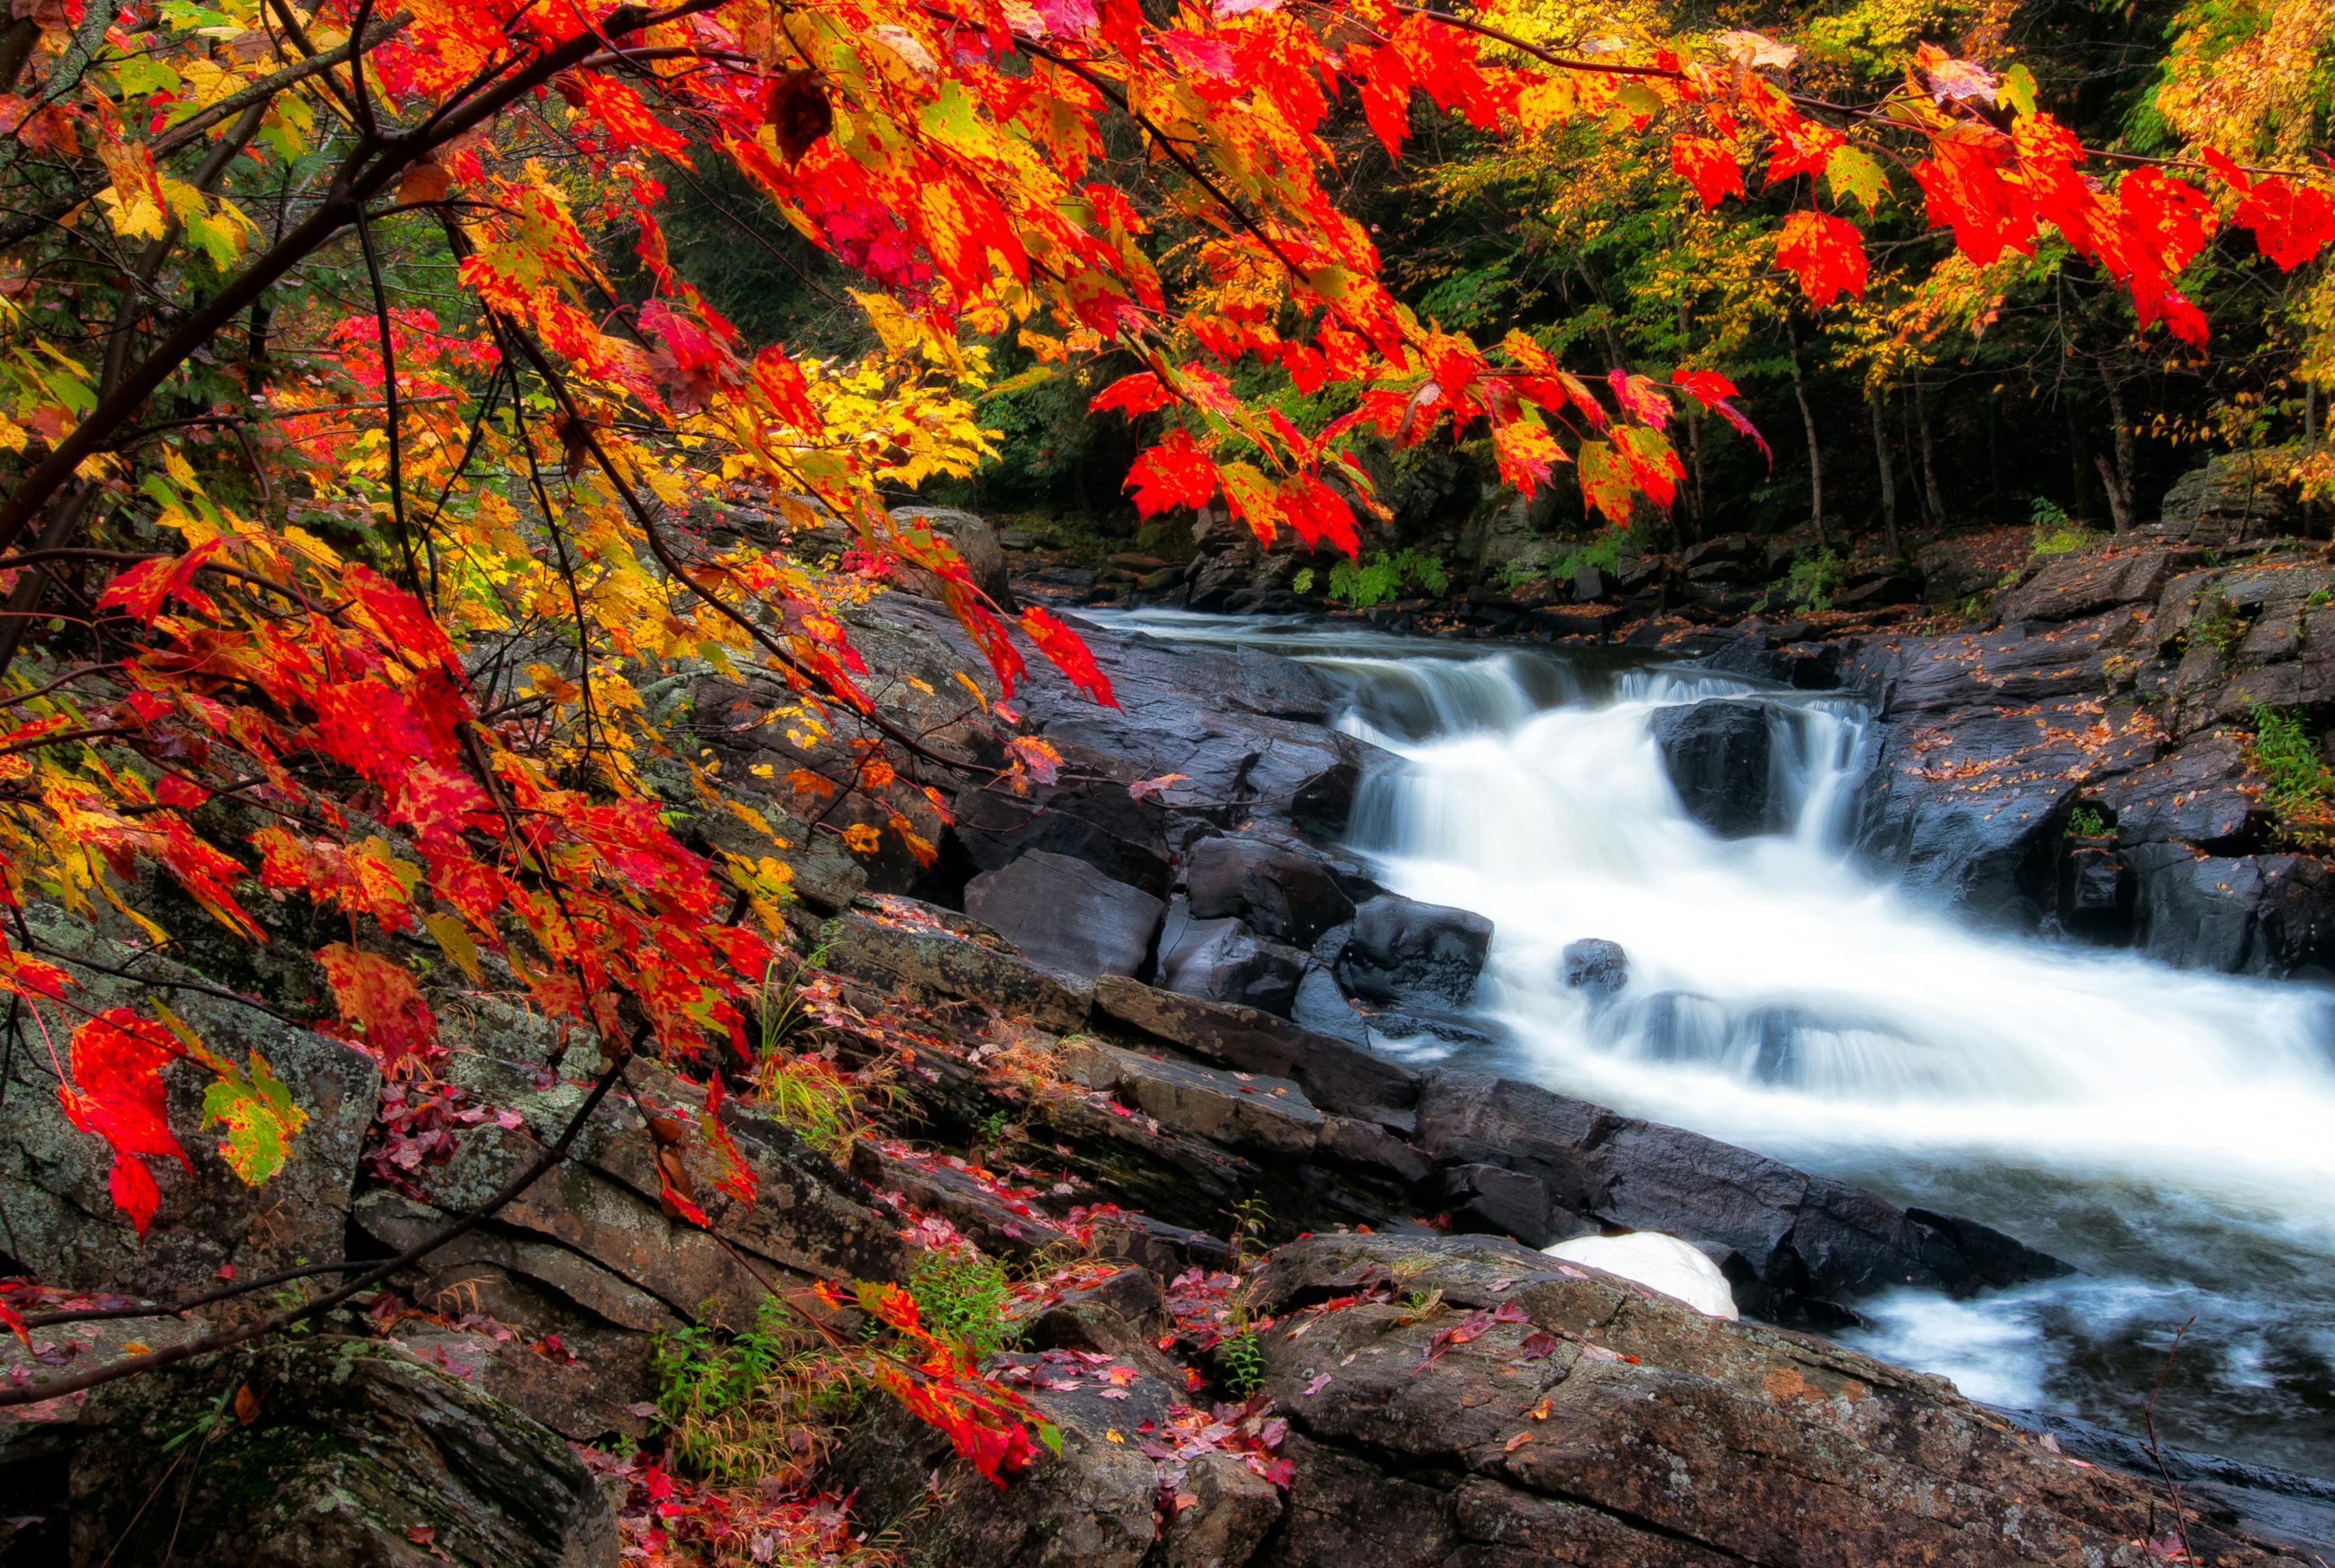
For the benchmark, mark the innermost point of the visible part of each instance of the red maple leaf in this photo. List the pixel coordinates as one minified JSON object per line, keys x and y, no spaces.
{"x":1707,"y":165}
{"x":115,"y":1090}
{"x":1175,"y":473}
{"x":378,"y":997}
{"x":2292,"y":223}
{"x":1827,"y":254}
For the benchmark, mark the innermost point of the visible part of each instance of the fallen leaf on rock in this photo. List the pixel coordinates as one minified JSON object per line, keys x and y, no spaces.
{"x":1518,"y":1441}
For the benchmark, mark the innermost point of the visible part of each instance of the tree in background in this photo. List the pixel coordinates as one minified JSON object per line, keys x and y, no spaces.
{"x":374,"y":451}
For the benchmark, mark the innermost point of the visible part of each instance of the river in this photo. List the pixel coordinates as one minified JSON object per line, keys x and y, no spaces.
{"x":2172,"y":1134}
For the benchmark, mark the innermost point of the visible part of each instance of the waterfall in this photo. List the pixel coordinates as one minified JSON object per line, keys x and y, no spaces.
{"x":2171,"y":1133}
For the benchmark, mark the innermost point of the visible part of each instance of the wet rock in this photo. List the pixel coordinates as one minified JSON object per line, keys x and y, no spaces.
{"x":2248,"y":914}
{"x":1283,"y":890}
{"x":1067,"y":916}
{"x":1587,"y":1422}
{"x":1717,"y":755}
{"x":357,"y":1454}
{"x":1225,"y":961}
{"x":1403,"y":951}
{"x":1878,"y":590}
{"x":2192,"y":795}
{"x":2095,"y":890}
{"x":976,"y":541}
{"x":1595,"y":967}
{"x":63,"y":1224}
{"x":1792,"y":1243}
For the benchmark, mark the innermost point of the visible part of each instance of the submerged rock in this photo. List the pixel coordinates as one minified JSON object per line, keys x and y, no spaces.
{"x":1595,"y":967}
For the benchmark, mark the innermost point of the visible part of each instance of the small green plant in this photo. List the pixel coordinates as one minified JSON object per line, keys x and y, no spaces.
{"x":740,"y":1408}
{"x":2296,"y":780}
{"x":1809,"y":586}
{"x":1243,"y":1361}
{"x":1302,"y":583}
{"x":2320,"y":598}
{"x":2056,"y":533}
{"x":1384,"y":578}
{"x":2086,"y":822}
{"x":2218,"y":623}
{"x":964,"y":1296}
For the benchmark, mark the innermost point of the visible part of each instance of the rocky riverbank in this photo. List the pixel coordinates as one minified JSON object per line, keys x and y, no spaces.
{"x":1276,"y":1290}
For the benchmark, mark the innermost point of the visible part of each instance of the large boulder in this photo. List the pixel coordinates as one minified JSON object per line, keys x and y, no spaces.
{"x":63,"y":1224}
{"x":1534,"y":1412}
{"x":975,"y":542}
{"x":1404,"y":953}
{"x":1280,"y":888}
{"x":2235,"y":498}
{"x":1717,"y":754}
{"x":339,"y":1451}
{"x":2245,"y":913}
{"x":1067,"y":916}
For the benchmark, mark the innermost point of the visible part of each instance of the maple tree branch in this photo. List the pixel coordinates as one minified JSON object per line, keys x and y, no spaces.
{"x":391,"y":419}
{"x":356,"y":183}
{"x":226,"y":1339}
{"x":26,"y":225}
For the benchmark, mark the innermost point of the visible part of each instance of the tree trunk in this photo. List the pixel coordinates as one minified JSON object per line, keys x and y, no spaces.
{"x":1874,"y":399}
{"x":2120,"y":479}
{"x":1994,"y":495}
{"x":1934,"y":496}
{"x":1809,"y":421}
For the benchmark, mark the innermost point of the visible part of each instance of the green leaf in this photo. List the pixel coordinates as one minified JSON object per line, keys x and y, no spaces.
{"x":260,"y":1119}
{"x":1855,"y":172}
{"x":2017,"y":89}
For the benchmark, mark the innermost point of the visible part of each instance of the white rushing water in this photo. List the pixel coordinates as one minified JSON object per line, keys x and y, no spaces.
{"x":2171,"y":1132}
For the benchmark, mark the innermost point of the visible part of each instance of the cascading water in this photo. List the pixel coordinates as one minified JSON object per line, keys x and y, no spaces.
{"x":2172,"y":1134}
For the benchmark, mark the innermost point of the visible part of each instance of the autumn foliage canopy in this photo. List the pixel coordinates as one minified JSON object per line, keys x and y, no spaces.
{"x":365,"y":442}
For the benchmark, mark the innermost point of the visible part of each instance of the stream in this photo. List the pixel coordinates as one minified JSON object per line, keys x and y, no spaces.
{"x":2172,"y":1134}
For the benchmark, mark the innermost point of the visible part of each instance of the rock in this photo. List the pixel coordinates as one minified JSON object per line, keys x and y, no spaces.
{"x":357,"y":1454}
{"x":976,"y":541}
{"x":1882,"y":588}
{"x":1657,"y":1262}
{"x":1717,"y":755}
{"x":1790,"y":1242}
{"x":1335,"y":1074}
{"x":1090,"y":1505}
{"x":944,"y":963}
{"x":1016,"y":540}
{"x":588,"y":1240}
{"x":2192,"y":795}
{"x":2069,"y":587}
{"x":1405,"y":952}
{"x":2236,"y":497}
{"x":2094,"y":891}
{"x":1067,"y":916}
{"x":1278,"y":887}
{"x":1225,"y":961}
{"x":2249,"y":914}
{"x":1247,"y":1112}
{"x":62,"y":1225}
{"x":1595,"y":967}
{"x":1582,"y":1421}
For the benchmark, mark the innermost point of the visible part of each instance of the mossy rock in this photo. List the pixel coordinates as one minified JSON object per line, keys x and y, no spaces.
{"x":342,"y":1452}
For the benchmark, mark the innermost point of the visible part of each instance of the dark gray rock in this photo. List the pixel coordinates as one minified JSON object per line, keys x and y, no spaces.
{"x":2236,"y":497}
{"x":1279,"y":887}
{"x":1596,"y":966}
{"x":1225,"y":961}
{"x":1403,"y":951}
{"x":1718,"y":755}
{"x":2247,"y":914}
{"x":1067,"y":916}
{"x":1336,"y":1075}
{"x":975,"y":542}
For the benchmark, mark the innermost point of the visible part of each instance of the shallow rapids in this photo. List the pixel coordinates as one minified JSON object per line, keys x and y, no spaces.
{"x":2172,"y":1134}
